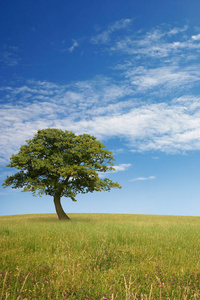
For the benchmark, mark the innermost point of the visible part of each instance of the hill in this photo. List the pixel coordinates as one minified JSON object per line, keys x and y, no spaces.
{"x":99,"y":256}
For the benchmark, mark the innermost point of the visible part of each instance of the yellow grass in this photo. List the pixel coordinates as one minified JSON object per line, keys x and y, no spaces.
{"x":99,"y":256}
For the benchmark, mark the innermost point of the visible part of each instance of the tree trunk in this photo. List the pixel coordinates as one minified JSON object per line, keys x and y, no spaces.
{"x":60,"y":212}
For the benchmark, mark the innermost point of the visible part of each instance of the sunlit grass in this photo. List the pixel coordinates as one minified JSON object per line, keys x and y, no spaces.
{"x":99,"y":256}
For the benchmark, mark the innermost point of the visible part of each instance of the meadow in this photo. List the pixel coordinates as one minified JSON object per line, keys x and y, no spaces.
{"x":99,"y":256}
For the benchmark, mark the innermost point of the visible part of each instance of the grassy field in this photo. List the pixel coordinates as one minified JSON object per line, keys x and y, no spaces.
{"x":99,"y":256}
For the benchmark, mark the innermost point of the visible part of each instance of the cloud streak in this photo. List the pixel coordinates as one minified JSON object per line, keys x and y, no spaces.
{"x":122,"y":167}
{"x":105,"y":36}
{"x":143,"y":178}
{"x":74,"y":45}
{"x":118,"y":168}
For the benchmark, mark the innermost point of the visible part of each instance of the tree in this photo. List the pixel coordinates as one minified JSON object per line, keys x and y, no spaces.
{"x":59,"y":163}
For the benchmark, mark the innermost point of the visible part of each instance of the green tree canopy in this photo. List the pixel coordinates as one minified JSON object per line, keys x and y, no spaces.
{"x":59,"y":163}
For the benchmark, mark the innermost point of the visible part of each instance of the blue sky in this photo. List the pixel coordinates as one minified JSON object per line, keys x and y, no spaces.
{"x":127,"y":72}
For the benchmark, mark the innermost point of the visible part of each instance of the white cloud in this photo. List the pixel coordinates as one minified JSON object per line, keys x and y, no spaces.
{"x":122,"y":167}
{"x":170,"y":76}
{"x":166,"y":127}
{"x":176,"y":30}
{"x":196,"y":37}
{"x":74,"y":45}
{"x":156,"y":44}
{"x":104,"y":36}
{"x":143,"y":178}
{"x":172,"y":126}
{"x":118,"y":168}
{"x":149,"y":106}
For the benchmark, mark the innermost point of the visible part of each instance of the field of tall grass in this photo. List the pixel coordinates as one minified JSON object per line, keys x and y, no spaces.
{"x":99,"y":256}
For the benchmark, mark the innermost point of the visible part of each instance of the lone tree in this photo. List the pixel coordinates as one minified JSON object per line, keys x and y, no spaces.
{"x":59,"y":163}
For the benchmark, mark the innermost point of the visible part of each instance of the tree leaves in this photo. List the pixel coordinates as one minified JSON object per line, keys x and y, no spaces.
{"x":56,"y":161}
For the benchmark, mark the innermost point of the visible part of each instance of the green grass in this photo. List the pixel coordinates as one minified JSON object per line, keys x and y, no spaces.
{"x":99,"y":256}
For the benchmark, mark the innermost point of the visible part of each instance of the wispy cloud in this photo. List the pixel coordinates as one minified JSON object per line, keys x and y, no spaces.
{"x":143,"y":178}
{"x":157,"y":43}
{"x":167,"y":127}
{"x":122,"y":167}
{"x":74,"y":45}
{"x":118,"y":168}
{"x":9,"y":55}
{"x":177,"y":30}
{"x":171,"y":76}
{"x":196,"y":37}
{"x":71,"y":49}
{"x":149,"y":106}
{"x":104,"y":36}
